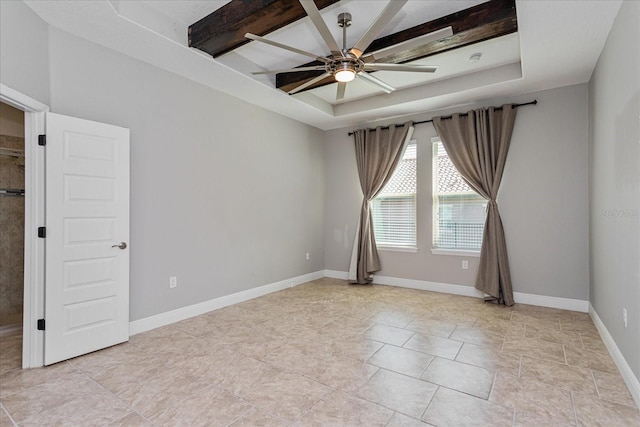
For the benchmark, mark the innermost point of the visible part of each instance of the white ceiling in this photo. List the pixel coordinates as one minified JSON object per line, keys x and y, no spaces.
{"x":302,"y":34}
{"x":557,"y":44}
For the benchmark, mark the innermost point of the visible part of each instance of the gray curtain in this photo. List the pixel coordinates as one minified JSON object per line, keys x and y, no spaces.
{"x":377,"y":155}
{"x":477,"y":144}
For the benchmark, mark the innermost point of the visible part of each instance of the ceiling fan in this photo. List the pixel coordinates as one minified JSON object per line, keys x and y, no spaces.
{"x":346,"y":64}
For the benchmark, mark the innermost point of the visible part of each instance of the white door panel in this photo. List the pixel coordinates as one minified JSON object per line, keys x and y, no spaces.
{"x":87,"y":214}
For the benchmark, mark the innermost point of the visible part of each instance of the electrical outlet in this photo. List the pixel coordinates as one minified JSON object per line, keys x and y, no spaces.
{"x":624,"y":316}
{"x":173,"y":282}
{"x":465,"y":264}
{"x":308,"y":256}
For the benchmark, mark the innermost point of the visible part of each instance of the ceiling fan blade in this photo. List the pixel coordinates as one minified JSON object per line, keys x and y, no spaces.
{"x":390,"y":10}
{"x":342,"y":86}
{"x":376,"y":81}
{"x":400,"y":67}
{"x":291,"y":70}
{"x":409,"y":44}
{"x":285,"y":47}
{"x":314,"y":14}
{"x":309,"y":83}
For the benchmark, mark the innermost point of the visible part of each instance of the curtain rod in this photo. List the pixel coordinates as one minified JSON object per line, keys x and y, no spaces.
{"x":534,"y":102}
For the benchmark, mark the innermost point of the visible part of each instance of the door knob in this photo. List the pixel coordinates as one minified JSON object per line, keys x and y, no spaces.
{"x":122,"y":245}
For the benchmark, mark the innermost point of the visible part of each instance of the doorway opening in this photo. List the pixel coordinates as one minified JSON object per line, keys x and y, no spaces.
{"x":12,"y":219}
{"x":33,"y":116}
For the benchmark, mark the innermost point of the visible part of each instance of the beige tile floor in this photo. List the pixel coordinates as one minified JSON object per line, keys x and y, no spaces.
{"x":329,"y":354}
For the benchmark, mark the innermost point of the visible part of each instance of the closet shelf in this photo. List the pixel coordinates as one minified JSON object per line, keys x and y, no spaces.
{"x":11,"y":152}
{"x":12,"y":192}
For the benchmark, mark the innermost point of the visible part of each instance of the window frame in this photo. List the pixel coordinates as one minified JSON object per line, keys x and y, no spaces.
{"x":465,"y":252}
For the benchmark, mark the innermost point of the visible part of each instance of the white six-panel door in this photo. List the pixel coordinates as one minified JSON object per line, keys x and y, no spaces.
{"x":87,"y":237}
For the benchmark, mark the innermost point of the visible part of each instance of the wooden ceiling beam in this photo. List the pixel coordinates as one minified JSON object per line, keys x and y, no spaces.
{"x":223,"y":30}
{"x":485,"y":21}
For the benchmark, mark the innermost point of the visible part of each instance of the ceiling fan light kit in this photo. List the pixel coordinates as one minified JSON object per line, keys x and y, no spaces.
{"x":343,"y":64}
{"x":345,"y":75}
{"x":345,"y":69}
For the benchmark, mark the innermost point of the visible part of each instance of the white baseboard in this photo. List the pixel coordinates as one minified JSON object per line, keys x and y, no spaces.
{"x":625,"y":370}
{"x":335,"y":274}
{"x":423,"y":285}
{"x":552,"y":302}
{"x":163,"y":319}
{"x":469,"y":291}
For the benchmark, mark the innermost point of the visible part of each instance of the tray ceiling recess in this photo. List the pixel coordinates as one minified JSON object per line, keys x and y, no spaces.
{"x":232,"y":26}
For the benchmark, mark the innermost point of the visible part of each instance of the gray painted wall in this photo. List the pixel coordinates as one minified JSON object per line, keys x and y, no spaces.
{"x":615,"y":183}
{"x":543,"y":201}
{"x":224,"y":195}
{"x":25,"y":58}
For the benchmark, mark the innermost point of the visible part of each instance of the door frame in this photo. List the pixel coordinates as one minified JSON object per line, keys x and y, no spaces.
{"x":34,"y":210}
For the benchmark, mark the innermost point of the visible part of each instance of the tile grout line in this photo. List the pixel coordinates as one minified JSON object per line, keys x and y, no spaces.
{"x":493,"y":383}
{"x":462,"y":343}
{"x":596,"y":383}
{"x":520,"y":366}
{"x":429,"y":404}
{"x":84,"y":374}
{"x":413,"y":333}
{"x":382,"y":405}
{"x":427,"y":367}
{"x":115,"y":395}
{"x":390,"y":418}
{"x":6,"y":411}
{"x":376,"y":352}
{"x":573,"y":406}
{"x":584,"y":347}
{"x":352,"y":396}
{"x":504,"y":340}
{"x":267,"y":411}
{"x":456,"y":327}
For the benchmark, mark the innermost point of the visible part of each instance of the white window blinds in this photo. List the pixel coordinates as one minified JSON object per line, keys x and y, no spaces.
{"x":459,"y":212}
{"x":394,"y":209}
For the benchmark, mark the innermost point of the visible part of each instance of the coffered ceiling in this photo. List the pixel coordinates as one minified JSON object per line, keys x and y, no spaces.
{"x":557,"y":43}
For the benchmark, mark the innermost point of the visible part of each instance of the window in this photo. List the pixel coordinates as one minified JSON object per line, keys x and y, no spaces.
{"x":394,"y":209}
{"x":458,"y":211}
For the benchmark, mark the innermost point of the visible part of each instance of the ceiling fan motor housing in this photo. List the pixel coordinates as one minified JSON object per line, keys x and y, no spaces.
{"x":345,"y":63}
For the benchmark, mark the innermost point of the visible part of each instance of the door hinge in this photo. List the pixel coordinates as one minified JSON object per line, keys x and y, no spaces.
{"x":42,"y":232}
{"x":41,"y":324}
{"x":42,"y":140}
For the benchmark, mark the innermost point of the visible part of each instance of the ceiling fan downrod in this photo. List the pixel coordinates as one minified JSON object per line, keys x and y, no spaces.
{"x":344,"y":21}
{"x":344,"y":69}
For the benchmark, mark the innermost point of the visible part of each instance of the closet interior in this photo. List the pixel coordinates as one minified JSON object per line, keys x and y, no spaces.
{"x":12,"y":168}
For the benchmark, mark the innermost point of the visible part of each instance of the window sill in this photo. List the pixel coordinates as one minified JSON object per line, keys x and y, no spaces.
{"x":456,"y":252}
{"x":413,"y":249}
